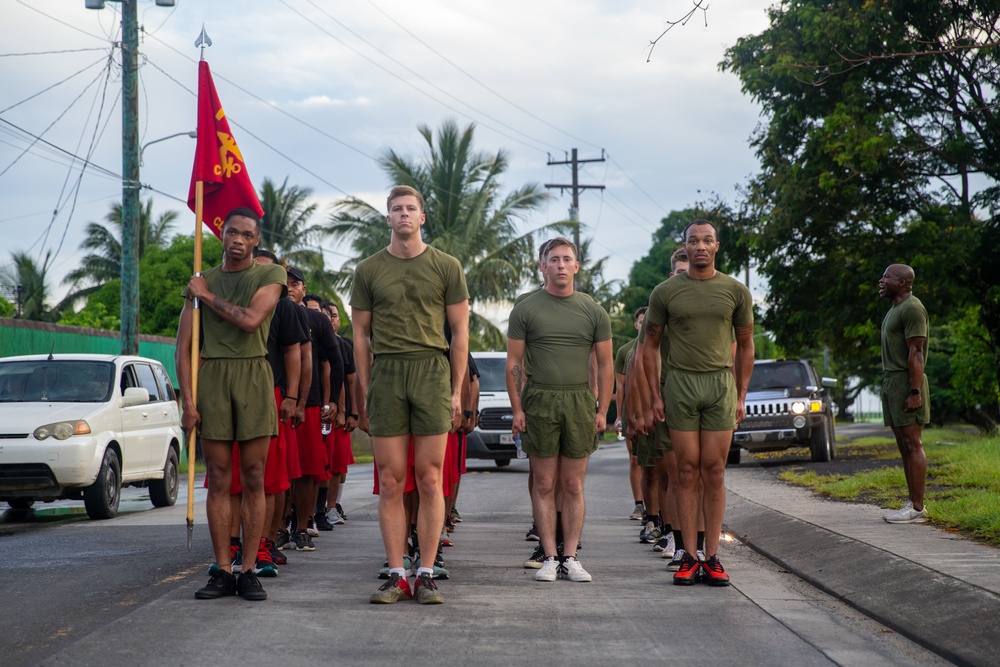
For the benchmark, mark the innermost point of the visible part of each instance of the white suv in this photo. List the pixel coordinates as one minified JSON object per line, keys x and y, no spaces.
{"x":492,"y":438}
{"x":81,"y":426}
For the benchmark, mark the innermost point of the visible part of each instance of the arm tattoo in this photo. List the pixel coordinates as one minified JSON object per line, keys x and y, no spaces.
{"x":518,"y":374}
{"x":237,"y":312}
{"x":744,"y":331}
{"x":654,"y":330}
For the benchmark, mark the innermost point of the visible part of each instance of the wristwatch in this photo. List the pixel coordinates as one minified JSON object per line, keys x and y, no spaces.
{"x":467,"y":413}
{"x":914,"y":392}
{"x":353,"y":415}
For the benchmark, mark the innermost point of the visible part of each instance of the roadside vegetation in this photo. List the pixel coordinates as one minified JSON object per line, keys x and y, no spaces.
{"x":963,"y":480}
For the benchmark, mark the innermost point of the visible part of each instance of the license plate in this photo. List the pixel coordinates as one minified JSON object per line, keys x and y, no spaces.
{"x":506,"y":439}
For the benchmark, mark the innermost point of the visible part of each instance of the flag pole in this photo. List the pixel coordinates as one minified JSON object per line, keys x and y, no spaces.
{"x":202,"y":41}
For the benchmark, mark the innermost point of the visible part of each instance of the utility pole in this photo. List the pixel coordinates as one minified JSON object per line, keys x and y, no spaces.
{"x":130,"y":179}
{"x":574,"y":188}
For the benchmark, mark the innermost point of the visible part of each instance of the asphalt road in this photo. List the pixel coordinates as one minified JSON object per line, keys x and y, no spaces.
{"x":85,"y":593}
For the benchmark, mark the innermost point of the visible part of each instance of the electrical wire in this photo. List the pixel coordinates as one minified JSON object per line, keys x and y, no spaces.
{"x":57,"y":83}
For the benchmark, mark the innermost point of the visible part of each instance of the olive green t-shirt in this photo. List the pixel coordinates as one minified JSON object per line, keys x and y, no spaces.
{"x":559,"y":332}
{"x":664,"y":349}
{"x":222,"y":340}
{"x":621,"y":361}
{"x":407,"y":299}
{"x":701,"y":316}
{"x":906,"y":319}
{"x":527,"y":357}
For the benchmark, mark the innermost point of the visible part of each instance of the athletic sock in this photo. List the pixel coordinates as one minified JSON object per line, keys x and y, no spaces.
{"x":679,"y":538}
{"x":398,"y":570}
{"x":701,"y":540}
{"x":667,"y":528}
{"x":321,"y":500}
{"x":340,"y":493}
{"x":234,"y":541}
{"x":425,"y":570}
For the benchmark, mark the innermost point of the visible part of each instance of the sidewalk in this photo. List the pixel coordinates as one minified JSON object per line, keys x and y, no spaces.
{"x":937,"y":588}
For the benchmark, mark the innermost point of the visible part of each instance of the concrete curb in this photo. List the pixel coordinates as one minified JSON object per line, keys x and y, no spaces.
{"x":953,"y":618}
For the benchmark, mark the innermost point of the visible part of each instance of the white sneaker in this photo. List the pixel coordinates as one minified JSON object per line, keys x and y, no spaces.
{"x":311,"y":530}
{"x":675,"y":563}
{"x":572,"y":569}
{"x":907,"y":515}
{"x":334,"y":518}
{"x":700,"y":555}
{"x":671,"y":548}
{"x":549,"y":570}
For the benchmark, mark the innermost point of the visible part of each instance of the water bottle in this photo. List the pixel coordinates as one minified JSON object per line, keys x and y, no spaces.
{"x":326,"y":428}
{"x":517,"y":443}
{"x":618,"y":427}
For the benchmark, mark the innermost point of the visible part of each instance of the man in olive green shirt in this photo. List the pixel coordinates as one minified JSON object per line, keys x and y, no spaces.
{"x":400,"y":301}
{"x":905,"y":393}
{"x":634,"y":473}
{"x":555,"y":414}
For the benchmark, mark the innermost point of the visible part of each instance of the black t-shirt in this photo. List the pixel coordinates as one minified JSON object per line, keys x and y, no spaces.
{"x":347,"y":349}
{"x":325,"y":347}
{"x":473,"y":368}
{"x":285,"y":330}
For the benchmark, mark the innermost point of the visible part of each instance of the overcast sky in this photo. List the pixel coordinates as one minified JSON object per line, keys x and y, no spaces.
{"x":317,"y":89}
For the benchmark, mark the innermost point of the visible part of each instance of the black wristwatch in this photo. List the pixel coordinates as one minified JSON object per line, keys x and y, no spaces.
{"x":467,"y":413}
{"x":352,"y":416}
{"x":914,"y":392}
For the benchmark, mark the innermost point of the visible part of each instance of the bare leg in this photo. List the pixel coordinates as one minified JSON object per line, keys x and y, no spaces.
{"x":219,"y":461}
{"x":545,"y":469}
{"x":428,"y":461}
{"x":391,"y":454}
{"x":571,"y":477}
{"x":687,"y":456}
{"x":651,"y":490}
{"x":911,"y":446}
{"x":253,"y":454}
{"x":714,"y":449}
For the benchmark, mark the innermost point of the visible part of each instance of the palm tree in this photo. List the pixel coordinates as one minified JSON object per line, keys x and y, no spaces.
{"x":35,"y":292}
{"x":466,"y":217}
{"x":285,"y":229}
{"x":104,"y":263}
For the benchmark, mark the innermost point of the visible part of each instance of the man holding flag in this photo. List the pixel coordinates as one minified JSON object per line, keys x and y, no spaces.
{"x":226,"y":382}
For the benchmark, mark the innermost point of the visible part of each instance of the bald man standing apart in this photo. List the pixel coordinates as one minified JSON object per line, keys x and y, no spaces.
{"x":905,"y":394}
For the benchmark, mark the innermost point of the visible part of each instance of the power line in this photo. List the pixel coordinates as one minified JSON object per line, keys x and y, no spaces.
{"x":58,"y":83}
{"x":48,"y":53}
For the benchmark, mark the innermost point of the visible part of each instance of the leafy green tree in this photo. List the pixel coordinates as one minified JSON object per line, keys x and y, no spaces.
{"x":104,"y":262}
{"x":880,"y":144}
{"x":467,"y":217}
{"x":285,"y":228}
{"x":33,"y":279}
{"x":7,"y":309}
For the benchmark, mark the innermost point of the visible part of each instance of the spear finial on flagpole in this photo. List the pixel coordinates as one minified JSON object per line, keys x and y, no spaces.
{"x":203,"y":41}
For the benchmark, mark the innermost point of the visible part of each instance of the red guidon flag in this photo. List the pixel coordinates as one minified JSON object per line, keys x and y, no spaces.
{"x":218,"y":162}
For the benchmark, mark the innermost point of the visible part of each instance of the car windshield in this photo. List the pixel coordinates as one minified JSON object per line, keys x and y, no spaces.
{"x":491,"y":373}
{"x":778,"y":376}
{"x":57,"y":381}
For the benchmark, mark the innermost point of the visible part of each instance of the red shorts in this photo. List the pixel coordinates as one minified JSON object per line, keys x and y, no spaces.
{"x":341,"y":454}
{"x":463,"y":441}
{"x":276,"y":467}
{"x":292,"y":463}
{"x":312,"y":449}
{"x":411,"y":477}
{"x":449,"y":472}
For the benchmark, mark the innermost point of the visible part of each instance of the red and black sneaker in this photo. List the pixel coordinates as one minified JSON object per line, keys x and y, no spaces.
{"x":713,"y":574}
{"x":276,"y":556}
{"x":687,"y":573}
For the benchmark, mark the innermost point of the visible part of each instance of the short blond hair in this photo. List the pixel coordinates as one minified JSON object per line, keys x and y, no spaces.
{"x":403,"y":191}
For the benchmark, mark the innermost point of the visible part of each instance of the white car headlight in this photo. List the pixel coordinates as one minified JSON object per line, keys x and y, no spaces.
{"x":798,"y":408}
{"x":62,"y":430}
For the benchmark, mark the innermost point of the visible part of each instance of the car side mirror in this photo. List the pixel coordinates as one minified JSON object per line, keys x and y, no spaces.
{"x":135,"y":396}
{"x":829,"y":383}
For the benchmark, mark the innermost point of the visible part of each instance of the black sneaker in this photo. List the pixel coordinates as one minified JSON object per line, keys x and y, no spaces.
{"x":340,"y":511}
{"x":536,"y":558}
{"x":302,"y":541}
{"x":248,"y":587}
{"x":532,"y":534}
{"x":220,"y":585}
{"x":284,"y":539}
{"x":322,"y":523}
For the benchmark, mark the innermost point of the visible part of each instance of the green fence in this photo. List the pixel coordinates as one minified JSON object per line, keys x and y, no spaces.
{"x":26,"y":337}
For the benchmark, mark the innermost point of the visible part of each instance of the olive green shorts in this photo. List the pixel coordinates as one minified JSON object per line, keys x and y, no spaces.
{"x":236,"y":399}
{"x":895,"y":389}
{"x":409,"y":395}
{"x":650,"y":448}
{"x":559,"y":420}
{"x":700,"y":401}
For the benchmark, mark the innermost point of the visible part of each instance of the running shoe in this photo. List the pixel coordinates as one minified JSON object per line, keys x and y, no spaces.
{"x":669,"y":546}
{"x":651,"y":533}
{"x":638,"y":512}
{"x":448,"y":525}
{"x":248,"y":587}
{"x":394,"y":590}
{"x":445,"y":540}
{"x":675,"y":563}
{"x":277,"y":557}
{"x":549,"y":570}
{"x":235,"y":558}
{"x":264,"y":565}
{"x":221,"y":584}
{"x":322,"y":523}
{"x":383,"y":573}
{"x":907,"y":515}
{"x":687,"y":574}
{"x":334,"y":518}
{"x":284,"y":538}
{"x":303,"y":541}
{"x":536,"y":559}
{"x":572,"y":569}
{"x":455,"y":516}
{"x":532,"y":534}
{"x":712,"y":573}
{"x":426,"y":591}
{"x":700,"y":555}
{"x":340,"y":511}
{"x":439,"y":570}
{"x":311,"y":529}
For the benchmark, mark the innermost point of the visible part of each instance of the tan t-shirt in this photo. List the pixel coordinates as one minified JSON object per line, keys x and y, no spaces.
{"x":559,"y":332}
{"x":407,"y":299}
{"x":701,"y":316}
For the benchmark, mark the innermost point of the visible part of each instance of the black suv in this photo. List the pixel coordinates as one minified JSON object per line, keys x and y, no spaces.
{"x":787,"y":405}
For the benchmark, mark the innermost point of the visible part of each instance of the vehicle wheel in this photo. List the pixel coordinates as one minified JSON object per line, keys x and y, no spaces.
{"x":163,"y":492}
{"x":821,"y":442}
{"x":734,"y":457}
{"x":21,"y":503}
{"x":102,"y":497}
{"x":502,"y":463}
